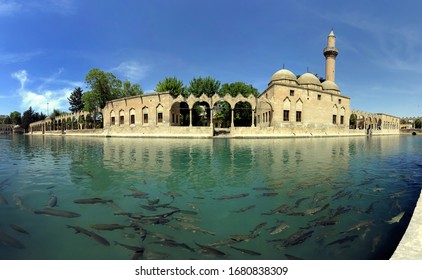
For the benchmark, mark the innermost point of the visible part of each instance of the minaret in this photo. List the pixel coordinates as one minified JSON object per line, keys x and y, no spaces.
{"x":330,"y":53}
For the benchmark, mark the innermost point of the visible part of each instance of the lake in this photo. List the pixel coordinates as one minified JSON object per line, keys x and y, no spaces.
{"x":72,"y":198}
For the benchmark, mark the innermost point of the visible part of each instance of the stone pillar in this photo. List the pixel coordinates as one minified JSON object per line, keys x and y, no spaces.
{"x":190,"y":117}
{"x":232,"y":122}
{"x":253,"y":118}
{"x":211,"y":117}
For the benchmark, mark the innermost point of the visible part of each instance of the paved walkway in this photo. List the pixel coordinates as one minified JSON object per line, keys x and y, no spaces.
{"x":410,"y":247}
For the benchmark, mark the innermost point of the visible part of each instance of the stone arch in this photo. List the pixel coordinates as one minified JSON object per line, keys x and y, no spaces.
{"x":145,"y":115}
{"x":112,"y":117}
{"x":299,"y":110}
{"x":353,"y":121}
{"x":342,"y":112}
{"x":132,"y":116}
{"x":201,"y":113}
{"x":179,"y":113}
{"x":335,"y":114}
{"x":121,"y":117}
{"x":243,"y":114}
{"x":160,"y":114}
{"x":222,"y":117}
{"x":99,"y":120}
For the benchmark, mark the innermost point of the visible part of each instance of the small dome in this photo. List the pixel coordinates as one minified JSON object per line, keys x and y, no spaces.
{"x":283,"y":74}
{"x":308,"y":78}
{"x":329,"y":85}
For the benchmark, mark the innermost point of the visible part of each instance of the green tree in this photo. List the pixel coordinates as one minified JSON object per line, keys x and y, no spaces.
{"x":418,"y":123}
{"x":172,"y":85}
{"x":75,"y":100}
{"x":55,"y":113}
{"x":16,"y":118}
{"x":27,"y":118}
{"x":206,"y":85}
{"x":131,"y":89}
{"x":104,"y":87}
{"x":238,"y":87}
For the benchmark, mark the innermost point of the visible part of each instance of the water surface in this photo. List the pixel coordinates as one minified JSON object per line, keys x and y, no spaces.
{"x":319,"y":198}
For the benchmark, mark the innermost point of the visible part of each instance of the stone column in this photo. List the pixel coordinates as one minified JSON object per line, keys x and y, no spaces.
{"x":211,"y":117}
{"x":253,"y":118}
{"x":232,"y":123}
{"x":190,"y":117}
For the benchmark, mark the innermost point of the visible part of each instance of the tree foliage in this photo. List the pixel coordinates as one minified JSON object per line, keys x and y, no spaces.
{"x":238,"y":87}
{"x":131,"y":89}
{"x":206,"y":85}
{"x":16,"y":118}
{"x":104,"y":87}
{"x":418,"y":123}
{"x":75,"y":100}
{"x":29,"y":116}
{"x":171,"y":84}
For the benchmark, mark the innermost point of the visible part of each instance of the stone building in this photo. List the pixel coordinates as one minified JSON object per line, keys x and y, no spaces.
{"x":290,"y":106}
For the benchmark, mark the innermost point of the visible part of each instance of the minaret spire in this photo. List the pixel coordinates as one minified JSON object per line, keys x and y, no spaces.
{"x":330,"y":53}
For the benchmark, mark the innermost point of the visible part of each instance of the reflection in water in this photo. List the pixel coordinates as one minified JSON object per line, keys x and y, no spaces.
{"x":319,"y":198}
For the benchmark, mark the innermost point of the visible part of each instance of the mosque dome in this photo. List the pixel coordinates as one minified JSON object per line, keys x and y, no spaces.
{"x":283,"y":74}
{"x":329,"y":85}
{"x":308,"y":79}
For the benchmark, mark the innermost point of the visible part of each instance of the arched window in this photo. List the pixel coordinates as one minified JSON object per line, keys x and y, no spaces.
{"x":299,"y":106}
{"x":286,"y":109}
{"x":132,"y":115}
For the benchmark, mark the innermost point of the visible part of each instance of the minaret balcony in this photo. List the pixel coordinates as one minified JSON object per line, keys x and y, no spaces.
{"x":331,"y":51}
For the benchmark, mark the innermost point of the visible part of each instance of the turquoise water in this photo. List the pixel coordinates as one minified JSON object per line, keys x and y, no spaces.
{"x":320,"y":198}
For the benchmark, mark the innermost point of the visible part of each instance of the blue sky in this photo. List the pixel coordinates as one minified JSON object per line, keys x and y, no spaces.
{"x":48,"y":46}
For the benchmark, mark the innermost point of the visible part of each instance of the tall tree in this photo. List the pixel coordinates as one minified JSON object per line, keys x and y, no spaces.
{"x":104,"y":86}
{"x":206,"y":85}
{"x":75,"y":100}
{"x":418,"y":123}
{"x":238,"y":87}
{"x":16,"y":118}
{"x":172,"y":85}
{"x":27,"y":118}
{"x":131,"y":89}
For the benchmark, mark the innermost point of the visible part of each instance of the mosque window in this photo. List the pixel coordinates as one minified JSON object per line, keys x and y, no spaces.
{"x":122,"y":119}
{"x":113,"y":120}
{"x":132,"y":119}
{"x":286,"y":115}
{"x":292,"y":92}
{"x":334,"y":119}
{"x":319,"y":96}
{"x":160,"y":117}
{"x":298,"y":116}
{"x":341,"y":119}
{"x":339,"y":101}
{"x":145,"y":118}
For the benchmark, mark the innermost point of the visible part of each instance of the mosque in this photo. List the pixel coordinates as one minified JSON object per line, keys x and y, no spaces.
{"x":291,"y":106}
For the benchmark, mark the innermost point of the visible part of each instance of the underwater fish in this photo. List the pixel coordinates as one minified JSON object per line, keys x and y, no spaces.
{"x":396,"y":219}
{"x":280,"y":209}
{"x":153,"y":201}
{"x":56,"y":212}
{"x":258,"y":227}
{"x":210,"y":250}
{"x":94,"y":200}
{"x":224,"y":197}
{"x":53,"y":201}
{"x":267,"y":194}
{"x":173,"y":243}
{"x":108,"y":226}
{"x":359,"y":226}
{"x":350,"y":238}
{"x":91,"y":234}
{"x":246,"y":251}
{"x":279,"y":228}
{"x":297,"y":238}
{"x":375,"y":242}
{"x":131,"y":247}
{"x":241,"y":210}
{"x":10,"y":241}
{"x":19,"y":229}
{"x":242,"y":237}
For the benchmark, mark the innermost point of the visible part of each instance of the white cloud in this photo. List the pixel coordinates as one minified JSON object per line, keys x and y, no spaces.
{"x":38,"y":100}
{"x":131,"y":70}
{"x":9,"y":58}
{"x":9,"y":7}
